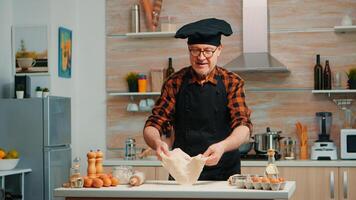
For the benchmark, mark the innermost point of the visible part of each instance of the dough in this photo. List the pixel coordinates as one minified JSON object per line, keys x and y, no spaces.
{"x":183,"y":168}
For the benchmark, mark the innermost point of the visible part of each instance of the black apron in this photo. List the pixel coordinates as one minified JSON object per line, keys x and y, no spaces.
{"x":202,"y":119}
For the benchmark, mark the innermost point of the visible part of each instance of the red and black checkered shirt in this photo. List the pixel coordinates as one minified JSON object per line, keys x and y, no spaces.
{"x":163,"y":112}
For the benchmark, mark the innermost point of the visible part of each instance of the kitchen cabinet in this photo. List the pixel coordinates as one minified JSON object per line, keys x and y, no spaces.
{"x":161,"y":173}
{"x":317,"y":182}
{"x":312,"y":182}
{"x":153,"y":173}
{"x":347,"y":182}
{"x":150,"y":172}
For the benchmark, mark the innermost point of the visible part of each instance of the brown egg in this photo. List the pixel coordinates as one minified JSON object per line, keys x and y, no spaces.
{"x":265,"y":180}
{"x":103,"y":176}
{"x":255,"y":179}
{"x":114,"y":181}
{"x":98,"y":183}
{"x":274,"y":180}
{"x":88,"y":182}
{"x":107,"y":182}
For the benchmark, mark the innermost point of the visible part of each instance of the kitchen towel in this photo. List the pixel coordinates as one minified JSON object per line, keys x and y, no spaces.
{"x":183,"y":168}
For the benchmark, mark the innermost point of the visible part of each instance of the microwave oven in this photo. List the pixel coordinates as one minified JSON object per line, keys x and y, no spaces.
{"x":348,"y":143}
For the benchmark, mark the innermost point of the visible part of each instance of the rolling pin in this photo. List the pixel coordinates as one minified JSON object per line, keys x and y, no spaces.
{"x":147,"y":7}
{"x":138,"y":178}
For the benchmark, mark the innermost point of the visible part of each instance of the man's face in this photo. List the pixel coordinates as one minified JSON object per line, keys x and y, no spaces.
{"x":203,"y":64}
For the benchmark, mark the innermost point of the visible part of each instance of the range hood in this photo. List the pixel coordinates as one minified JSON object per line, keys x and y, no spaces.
{"x":256,"y":56}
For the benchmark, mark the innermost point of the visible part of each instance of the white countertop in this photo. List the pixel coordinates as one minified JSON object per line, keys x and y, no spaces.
{"x":170,"y":189}
{"x":14,"y":171}
{"x":249,"y":163}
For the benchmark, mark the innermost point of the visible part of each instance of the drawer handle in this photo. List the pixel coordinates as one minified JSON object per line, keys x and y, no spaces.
{"x":346,"y":184}
{"x":332,"y":184}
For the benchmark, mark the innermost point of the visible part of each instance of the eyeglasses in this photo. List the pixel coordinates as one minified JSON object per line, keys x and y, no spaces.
{"x":206,"y":52}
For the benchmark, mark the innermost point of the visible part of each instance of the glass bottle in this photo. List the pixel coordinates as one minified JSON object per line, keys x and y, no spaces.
{"x":318,"y":74}
{"x":327,"y":76}
{"x":76,"y":181}
{"x":271,"y":169}
{"x":170,"y":69}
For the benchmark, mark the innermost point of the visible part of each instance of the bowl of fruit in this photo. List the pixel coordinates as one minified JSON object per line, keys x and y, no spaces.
{"x":8,"y":160}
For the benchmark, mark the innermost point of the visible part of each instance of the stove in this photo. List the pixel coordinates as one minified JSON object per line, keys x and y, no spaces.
{"x":258,"y":156}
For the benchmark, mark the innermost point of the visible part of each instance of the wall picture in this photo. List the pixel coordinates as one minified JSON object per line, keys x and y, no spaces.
{"x":64,"y":52}
{"x":30,"y":45}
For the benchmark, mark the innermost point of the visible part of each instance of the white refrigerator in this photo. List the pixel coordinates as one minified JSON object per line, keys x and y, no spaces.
{"x":40,"y":130}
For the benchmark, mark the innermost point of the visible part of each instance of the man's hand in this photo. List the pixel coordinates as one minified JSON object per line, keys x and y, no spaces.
{"x":214,"y":153}
{"x":161,"y":147}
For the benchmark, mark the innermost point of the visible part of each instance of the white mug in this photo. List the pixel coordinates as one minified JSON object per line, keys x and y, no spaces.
{"x":150,"y":102}
{"x":143,"y":105}
{"x":132,"y":107}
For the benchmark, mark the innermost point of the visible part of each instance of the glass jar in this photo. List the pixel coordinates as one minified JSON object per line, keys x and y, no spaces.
{"x":168,"y":24}
{"x":76,"y":180}
{"x":289,"y":148}
{"x":123,"y":173}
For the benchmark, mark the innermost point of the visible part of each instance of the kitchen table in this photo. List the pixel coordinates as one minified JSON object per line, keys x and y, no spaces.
{"x":171,"y":190}
{"x":20,"y":172}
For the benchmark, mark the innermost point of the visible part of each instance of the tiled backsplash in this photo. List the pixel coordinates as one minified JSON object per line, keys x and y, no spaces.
{"x":299,"y":31}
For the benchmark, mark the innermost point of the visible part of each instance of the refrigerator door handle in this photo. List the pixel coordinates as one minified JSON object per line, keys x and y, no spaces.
{"x":61,"y":146}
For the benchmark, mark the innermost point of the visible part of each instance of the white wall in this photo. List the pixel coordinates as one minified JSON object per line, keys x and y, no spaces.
{"x":86,"y":87}
{"x":6,"y":77}
{"x":91,"y":106}
{"x":30,"y":12}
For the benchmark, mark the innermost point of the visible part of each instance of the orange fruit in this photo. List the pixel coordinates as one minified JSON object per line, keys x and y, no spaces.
{"x":13,"y":154}
{"x":2,"y":154}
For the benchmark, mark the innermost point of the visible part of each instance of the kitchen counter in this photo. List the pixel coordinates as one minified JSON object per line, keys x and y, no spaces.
{"x":170,"y":189}
{"x":244,"y":163}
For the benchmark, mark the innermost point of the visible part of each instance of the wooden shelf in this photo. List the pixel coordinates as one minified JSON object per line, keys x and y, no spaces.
{"x":342,"y":91}
{"x":344,"y":29}
{"x":150,"y":34}
{"x":336,"y":91}
{"x":145,"y":35}
{"x":134,"y":93}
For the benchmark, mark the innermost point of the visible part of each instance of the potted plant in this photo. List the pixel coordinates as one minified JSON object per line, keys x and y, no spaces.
{"x":20,"y":90}
{"x":39,"y":92}
{"x":132,"y":81}
{"x":25,"y":59}
{"x":45,"y":92}
{"x":351,"y":82}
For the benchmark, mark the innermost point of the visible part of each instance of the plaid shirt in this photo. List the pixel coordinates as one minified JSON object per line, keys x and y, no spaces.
{"x":163,"y":112}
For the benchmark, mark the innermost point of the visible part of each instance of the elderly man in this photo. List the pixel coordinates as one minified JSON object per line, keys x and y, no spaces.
{"x":204,"y":103}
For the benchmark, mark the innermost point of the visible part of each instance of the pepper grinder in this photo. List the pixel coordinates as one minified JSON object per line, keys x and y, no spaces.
{"x":99,"y":162}
{"x":91,"y":164}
